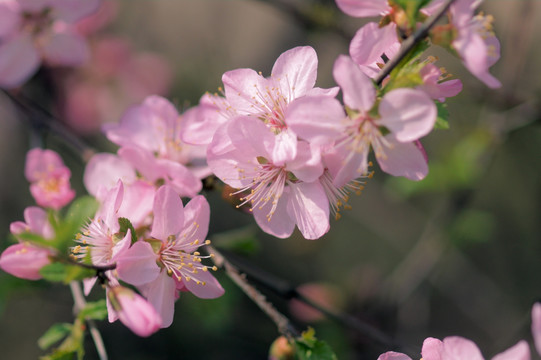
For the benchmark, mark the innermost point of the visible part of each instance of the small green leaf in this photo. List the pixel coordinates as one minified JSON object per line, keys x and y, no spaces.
{"x":78,"y":214}
{"x":58,"y":272}
{"x":310,"y":348}
{"x":126,"y":224}
{"x":71,"y":346}
{"x":55,"y":333}
{"x":96,"y":310}
{"x":442,"y":122}
{"x":33,"y":238}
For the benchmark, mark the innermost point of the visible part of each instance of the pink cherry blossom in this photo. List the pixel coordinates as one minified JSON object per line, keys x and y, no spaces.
{"x":36,"y":222}
{"x":405,"y":114}
{"x":248,"y":93}
{"x":49,"y":178}
{"x":475,"y":41}
{"x":536,"y":326}
{"x":175,"y":235}
{"x":459,"y":348}
{"x":280,"y":182}
{"x":25,"y":260}
{"x":134,"y":311}
{"x":40,"y":30}
{"x":435,"y":86}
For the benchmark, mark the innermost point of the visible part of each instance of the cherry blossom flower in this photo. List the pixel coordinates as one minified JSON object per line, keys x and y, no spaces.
{"x":401,"y":118}
{"x":150,"y":141}
{"x":280,"y":184}
{"x":49,"y":178}
{"x":134,"y":311}
{"x":434,"y":83}
{"x":168,"y":262}
{"x":33,"y":31}
{"x":475,"y":41}
{"x":248,"y":93}
{"x":25,"y":260}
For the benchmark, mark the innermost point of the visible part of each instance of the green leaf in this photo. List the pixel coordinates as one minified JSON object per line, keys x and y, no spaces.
{"x":411,"y":8}
{"x":407,"y":72}
{"x":33,"y":238}
{"x":442,"y":121}
{"x":55,"y":333}
{"x":126,"y":224}
{"x":71,"y":346}
{"x":78,"y":214}
{"x":310,"y":348}
{"x":96,"y":310}
{"x":58,"y":272}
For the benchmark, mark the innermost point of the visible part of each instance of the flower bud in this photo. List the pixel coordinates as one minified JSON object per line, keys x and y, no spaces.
{"x":25,"y":261}
{"x":134,"y":311}
{"x":281,"y":349}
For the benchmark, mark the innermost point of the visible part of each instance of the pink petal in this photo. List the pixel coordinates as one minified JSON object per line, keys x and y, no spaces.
{"x":309,"y":205}
{"x":137,"y":265}
{"x":364,"y":8}
{"x":317,"y":119}
{"x":109,"y":208}
{"x":330,"y":92}
{"x":137,"y":127}
{"x":200,"y":123}
{"x":281,"y":224}
{"x":307,"y":166}
{"x":161,"y":294}
{"x":121,"y":247}
{"x":242,"y":89}
{"x":143,"y":161}
{"x":353,"y":165}
{"x":10,"y":17}
{"x":520,"y":351}
{"x":19,"y":60}
{"x":408,"y":113}
{"x":37,"y":220}
{"x":358,"y":90}
{"x":163,"y":109}
{"x":371,"y":41}
{"x":295,"y":71}
{"x":403,"y":159}
{"x":211,"y":288}
{"x":285,"y":147}
{"x":391,"y":355}
{"x":137,"y":202}
{"x":65,"y":47}
{"x":432,"y":349}
{"x":104,"y":170}
{"x":39,"y":162}
{"x":168,"y":213}
{"x":536,"y":326}
{"x":25,"y":261}
{"x":135,"y":312}
{"x":196,"y":212}
{"x":459,"y":348}
{"x":179,"y":177}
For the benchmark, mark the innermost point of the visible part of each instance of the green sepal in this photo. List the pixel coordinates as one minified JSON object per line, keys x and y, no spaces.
{"x":126,"y":224}
{"x":96,"y":310}
{"x":407,"y":72}
{"x":55,"y":333}
{"x":65,"y":273}
{"x":308,"y":347}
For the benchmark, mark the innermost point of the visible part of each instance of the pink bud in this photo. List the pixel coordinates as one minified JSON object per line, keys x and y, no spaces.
{"x":25,"y":261}
{"x":134,"y":311}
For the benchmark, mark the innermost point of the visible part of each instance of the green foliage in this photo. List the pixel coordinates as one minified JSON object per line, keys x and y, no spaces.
{"x":96,"y":310}
{"x":80,"y":211}
{"x":126,"y":224}
{"x":308,"y":347}
{"x":442,"y":121}
{"x":406,"y":73}
{"x":411,"y":8}
{"x":66,"y":273}
{"x":55,"y":333}
{"x":71,"y":347}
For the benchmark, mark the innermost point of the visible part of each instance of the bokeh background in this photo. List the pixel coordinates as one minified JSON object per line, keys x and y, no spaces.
{"x":456,"y":254}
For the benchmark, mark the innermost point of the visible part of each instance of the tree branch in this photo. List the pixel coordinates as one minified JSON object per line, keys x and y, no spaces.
{"x":284,"y":325}
{"x":410,"y":42}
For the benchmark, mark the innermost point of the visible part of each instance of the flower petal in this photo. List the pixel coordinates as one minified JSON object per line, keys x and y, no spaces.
{"x":432,"y":349}
{"x":281,"y":223}
{"x":65,"y":47}
{"x":309,"y":205}
{"x":520,"y":351}
{"x":19,"y":60}
{"x":408,"y":113}
{"x":358,"y":90}
{"x":364,"y":8}
{"x":161,"y":294}
{"x":403,"y":159}
{"x":137,"y":265}
{"x":371,"y":41}
{"x":104,"y":170}
{"x":459,"y":348}
{"x":168,"y":213}
{"x":207,"y":288}
{"x":391,"y":355}
{"x":536,"y":326}
{"x":296,"y":71}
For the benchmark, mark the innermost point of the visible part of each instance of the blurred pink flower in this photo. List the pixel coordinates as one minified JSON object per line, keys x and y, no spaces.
{"x":25,"y":260}
{"x":136,"y":313}
{"x":475,"y":41}
{"x":33,"y":31}
{"x":49,"y":178}
{"x":435,"y":86}
{"x":115,"y":77}
{"x":536,"y":326}
{"x":168,"y":262}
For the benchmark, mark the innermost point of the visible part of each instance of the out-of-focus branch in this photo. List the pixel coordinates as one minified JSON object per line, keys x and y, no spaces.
{"x":42,"y":121}
{"x":80,"y":303}
{"x":284,"y":325}
{"x":408,"y":44}
{"x":288,"y":292}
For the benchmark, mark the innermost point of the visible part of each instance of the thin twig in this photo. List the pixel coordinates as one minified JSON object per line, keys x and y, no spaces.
{"x":284,"y":325}
{"x":411,"y":41}
{"x":41,"y":120}
{"x":285,"y":290}
{"x":80,"y":303}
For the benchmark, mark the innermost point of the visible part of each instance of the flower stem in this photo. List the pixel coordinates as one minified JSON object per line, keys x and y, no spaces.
{"x":411,"y":41}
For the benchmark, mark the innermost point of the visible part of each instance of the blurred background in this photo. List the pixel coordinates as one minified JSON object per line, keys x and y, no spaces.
{"x":455,"y":254}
